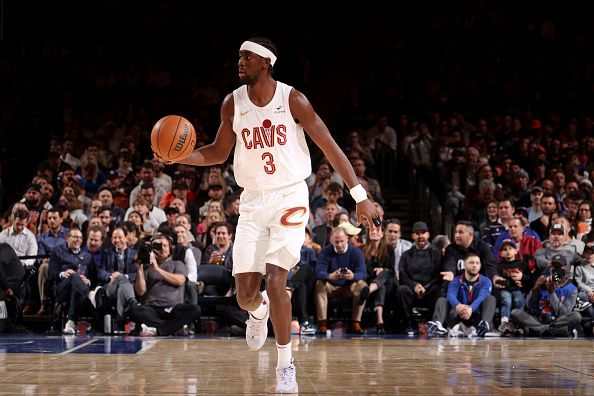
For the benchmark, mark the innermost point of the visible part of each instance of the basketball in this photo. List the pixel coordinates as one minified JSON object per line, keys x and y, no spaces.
{"x":173,"y":138}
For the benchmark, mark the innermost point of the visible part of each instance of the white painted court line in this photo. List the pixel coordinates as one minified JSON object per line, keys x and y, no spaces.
{"x":76,"y":348}
{"x":148,"y":344}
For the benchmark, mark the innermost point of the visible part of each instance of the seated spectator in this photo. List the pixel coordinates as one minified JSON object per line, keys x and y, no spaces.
{"x":309,"y":241}
{"x":299,"y":284}
{"x":321,"y":233}
{"x":352,"y":232}
{"x":549,"y":305}
{"x":20,"y":238}
{"x":420,"y":280}
{"x":465,"y":243}
{"x":138,"y":220}
{"x":527,"y":244}
{"x":394,"y":241}
{"x":331,"y":195}
{"x":380,"y":273}
{"x":341,"y":271}
{"x":95,"y":238}
{"x":182,"y":240}
{"x":555,"y":246}
{"x":542,"y":225}
{"x":47,"y":242}
{"x":205,"y":227}
{"x":161,"y":287}
{"x":12,"y":274}
{"x":518,"y":281}
{"x":220,"y":252}
{"x":71,"y":269}
{"x":469,"y":307}
{"x":116,"y":273}
{"x":584,"y":277}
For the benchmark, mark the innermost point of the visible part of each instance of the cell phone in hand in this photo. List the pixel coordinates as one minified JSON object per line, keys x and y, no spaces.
{"x":344,"y":270}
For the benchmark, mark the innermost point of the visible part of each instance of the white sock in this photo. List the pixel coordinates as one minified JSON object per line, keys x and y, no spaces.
{"x":284,"y":356}
{"x":260,"y":312}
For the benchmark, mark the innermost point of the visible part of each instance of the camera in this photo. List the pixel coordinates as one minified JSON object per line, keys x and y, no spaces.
{"x":144,"y":252}
{"x":557,"y":274}
{"x":344,"y":270}
{"x":507,"y":283}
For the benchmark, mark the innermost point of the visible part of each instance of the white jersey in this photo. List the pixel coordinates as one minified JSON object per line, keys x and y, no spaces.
{"x":271,"y":151}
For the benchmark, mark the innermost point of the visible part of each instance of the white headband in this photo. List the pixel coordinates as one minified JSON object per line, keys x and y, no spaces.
{"x":258,"y":50}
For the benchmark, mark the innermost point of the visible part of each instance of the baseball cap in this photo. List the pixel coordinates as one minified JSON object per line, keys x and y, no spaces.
{"x":509,"y":242}
{"x":521,"y":211}
{"x":557,"y":227}
{"x":34,"y":187}
{"x":522,"y":173}
{"x":558,"y":258}
{"x":536,"y":189}
{"x":419,"y":226}
{"x":179,"y":186}
{"x":589,"y":247}
{"x":349,"y":228}
{"x":215,"y":186}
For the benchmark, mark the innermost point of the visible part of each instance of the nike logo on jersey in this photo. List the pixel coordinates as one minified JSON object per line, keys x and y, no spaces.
{"x":244,"y":112}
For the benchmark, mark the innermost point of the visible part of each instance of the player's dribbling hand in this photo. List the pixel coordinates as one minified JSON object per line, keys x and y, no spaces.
{"x":162,"y":160}
{"x":366,"y":212}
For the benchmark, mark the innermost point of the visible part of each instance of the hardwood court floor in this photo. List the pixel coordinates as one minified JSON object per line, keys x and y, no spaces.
{"x":214,"y":366}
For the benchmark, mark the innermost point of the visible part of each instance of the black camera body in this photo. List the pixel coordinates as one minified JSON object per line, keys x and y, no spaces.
{"x":144,"y":252}
{"x":557,"y":272}
{"x":507,"y":283}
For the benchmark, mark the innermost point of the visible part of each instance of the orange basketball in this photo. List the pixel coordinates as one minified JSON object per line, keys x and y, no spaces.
{"x":173,"y":138}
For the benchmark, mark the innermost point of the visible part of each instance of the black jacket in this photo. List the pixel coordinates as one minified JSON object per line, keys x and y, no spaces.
{"x":453,"y":259}
{"x":420,"y":266}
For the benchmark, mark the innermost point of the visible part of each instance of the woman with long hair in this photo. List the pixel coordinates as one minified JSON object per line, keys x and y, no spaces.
{"x":380,"y":270}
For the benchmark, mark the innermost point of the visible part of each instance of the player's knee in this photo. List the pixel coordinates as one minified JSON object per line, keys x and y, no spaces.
{"x":246,"y":300}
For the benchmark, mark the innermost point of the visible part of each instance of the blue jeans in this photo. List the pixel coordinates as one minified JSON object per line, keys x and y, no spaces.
{"x":507,"y":297}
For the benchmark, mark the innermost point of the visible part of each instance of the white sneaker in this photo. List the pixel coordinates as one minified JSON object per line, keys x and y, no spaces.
{"x":148,"y":331}
{"x":456,"y":331}
{"x":92,"y":295}
{"x":286,"y":380}
{"x":70,"y":328}
{"x":256,"y":331}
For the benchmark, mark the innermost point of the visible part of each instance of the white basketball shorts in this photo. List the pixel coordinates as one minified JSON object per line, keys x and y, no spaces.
{"x":271,"y":228}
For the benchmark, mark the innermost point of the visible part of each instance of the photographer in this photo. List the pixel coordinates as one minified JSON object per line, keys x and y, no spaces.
{"x":549,"y":305}
{"x":517,"y":281}
{"x":160,"y":283}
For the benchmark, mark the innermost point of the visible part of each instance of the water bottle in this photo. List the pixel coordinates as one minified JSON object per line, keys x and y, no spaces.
{"x":107,"y":324}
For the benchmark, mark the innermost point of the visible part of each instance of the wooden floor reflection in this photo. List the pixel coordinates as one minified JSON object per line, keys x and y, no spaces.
{"x":210,"y":366}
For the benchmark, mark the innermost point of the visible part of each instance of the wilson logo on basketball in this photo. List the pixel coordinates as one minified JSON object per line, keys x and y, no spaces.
{"x":293,"y":217}
{"x":181,"y":141}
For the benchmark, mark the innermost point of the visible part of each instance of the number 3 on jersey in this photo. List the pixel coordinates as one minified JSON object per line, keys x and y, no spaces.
{"x":269,"y":164}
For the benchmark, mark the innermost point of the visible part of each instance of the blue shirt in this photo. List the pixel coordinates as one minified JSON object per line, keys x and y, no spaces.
{"x":459,"y":292}
{"x":329,"y":261}
{"x":47,"y":241}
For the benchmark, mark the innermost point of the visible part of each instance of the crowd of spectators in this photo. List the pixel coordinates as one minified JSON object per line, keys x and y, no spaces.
{"x":496,"y":124}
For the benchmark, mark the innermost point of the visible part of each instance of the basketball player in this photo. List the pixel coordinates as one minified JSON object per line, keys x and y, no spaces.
{"x":265,"y":120}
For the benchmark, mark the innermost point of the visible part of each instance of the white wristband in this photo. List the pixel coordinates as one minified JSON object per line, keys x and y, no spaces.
{"x":358,"y":193}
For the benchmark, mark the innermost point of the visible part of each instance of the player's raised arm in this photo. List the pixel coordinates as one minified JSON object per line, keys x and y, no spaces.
{"x":303,"y":112}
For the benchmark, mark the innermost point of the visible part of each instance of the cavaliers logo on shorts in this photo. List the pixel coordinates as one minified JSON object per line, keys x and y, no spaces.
{"x":293,"y":217}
